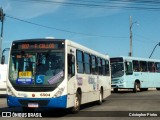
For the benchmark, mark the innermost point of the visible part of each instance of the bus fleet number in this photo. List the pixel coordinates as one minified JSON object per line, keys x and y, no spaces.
{"x":45,"y":94}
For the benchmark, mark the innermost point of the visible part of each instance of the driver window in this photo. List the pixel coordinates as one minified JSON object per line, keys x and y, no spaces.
{"x":128,"y":66}
{"x":71,"y":65}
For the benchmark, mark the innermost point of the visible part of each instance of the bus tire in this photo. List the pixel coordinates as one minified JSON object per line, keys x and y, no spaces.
{"x":143,"y":89}
{"x":157,"y":88}
{"x":77,"y":103}
{"x":136,"y":86}
{"x":99,"y":102}
{"x":115,"y":90}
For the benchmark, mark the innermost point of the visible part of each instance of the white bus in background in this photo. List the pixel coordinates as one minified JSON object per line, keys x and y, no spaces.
{"x":3,"y":78}
{"x":3,"y":73}
{"x":134,"y":73}
{"x":56,"y":73}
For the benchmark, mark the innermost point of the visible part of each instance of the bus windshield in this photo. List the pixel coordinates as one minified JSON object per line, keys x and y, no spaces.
{"x":40,"y":69}
{"x":117,"y":69}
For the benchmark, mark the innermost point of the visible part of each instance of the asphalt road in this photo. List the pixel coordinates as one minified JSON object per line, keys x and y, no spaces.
{"x":121,"y":105}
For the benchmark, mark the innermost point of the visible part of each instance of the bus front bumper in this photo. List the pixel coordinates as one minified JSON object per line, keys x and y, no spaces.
{"x":59,"y":102}
{"x":118,"y":86}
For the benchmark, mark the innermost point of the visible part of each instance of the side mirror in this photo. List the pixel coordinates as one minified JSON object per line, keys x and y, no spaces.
{"x":3,"y":59}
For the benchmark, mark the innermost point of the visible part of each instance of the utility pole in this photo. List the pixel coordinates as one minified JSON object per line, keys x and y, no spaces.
{"x":130,"y":53}
{"x":131,"y":24}
{"x":1,"y":36}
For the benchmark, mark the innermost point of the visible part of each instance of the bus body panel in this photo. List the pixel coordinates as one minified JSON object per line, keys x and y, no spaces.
{"x":90,"y":91}
{"x":22,"y":99}
{"x":59,"y":102}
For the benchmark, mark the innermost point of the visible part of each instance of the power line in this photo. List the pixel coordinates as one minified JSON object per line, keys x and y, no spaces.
{"x":133,"y":4}
{"x":145,"y":38}
{"x":93,"y":1}
{"x":62,"y":30}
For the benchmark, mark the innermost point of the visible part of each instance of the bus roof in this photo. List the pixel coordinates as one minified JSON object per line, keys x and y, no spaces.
{"x":38,"y":39}
{"x":138,"y":58}
{"x":86,"y":49}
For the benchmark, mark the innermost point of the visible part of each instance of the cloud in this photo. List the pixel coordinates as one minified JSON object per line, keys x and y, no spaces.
{"x":28,"y":9}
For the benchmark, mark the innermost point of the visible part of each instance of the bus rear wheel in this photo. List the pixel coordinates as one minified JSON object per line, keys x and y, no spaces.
{"x":99,"y":102}
{"x":157,"y":88}
{"x":77,"y":103}
{"x":136,"y":87}
{"x":115,"y":90}
{"x":143,"y":89}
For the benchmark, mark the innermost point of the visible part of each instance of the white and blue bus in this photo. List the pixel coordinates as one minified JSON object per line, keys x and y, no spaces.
{"x":135,"y":73}
{"x":56,"y":73}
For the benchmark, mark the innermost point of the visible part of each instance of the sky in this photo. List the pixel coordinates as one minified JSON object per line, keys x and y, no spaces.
{"x":102,"y":25}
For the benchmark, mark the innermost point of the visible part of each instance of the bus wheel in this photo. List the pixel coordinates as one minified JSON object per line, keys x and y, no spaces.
{"x":143,"y":89}
{"x":136,"y":87}
{"x":77,"y":103}
{"x":115,"y":90}
{"x":157,"y":88}
{"x":99,"y":102}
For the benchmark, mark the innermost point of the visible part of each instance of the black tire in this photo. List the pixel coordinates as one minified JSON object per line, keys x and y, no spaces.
{"x":143,"y":89}
{"x":77,"y":103}
{"x":99,"y":102}
{"x":136,"y":87}
{"x":157,"y":88}
{"x":115,"y":90}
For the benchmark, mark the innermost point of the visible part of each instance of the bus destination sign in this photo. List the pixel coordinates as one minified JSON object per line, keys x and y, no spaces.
{"x":37,"y":46}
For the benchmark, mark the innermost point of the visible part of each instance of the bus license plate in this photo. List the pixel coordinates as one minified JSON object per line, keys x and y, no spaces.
{"x":33,"y":105}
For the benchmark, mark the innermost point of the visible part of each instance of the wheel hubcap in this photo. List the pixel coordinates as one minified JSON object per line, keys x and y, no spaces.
{"x":76,"y":102}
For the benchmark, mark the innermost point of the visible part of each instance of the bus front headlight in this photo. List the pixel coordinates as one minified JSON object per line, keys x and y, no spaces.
{"x":59,"y":92}
{"x":9,"y":91}
{"x":121,"y":81}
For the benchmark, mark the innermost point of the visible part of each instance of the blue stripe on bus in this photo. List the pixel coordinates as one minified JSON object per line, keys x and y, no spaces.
{"x":59,"y":102}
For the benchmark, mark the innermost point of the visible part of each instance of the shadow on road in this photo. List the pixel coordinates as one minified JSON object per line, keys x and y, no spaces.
{"x":50,"y":112}
{"x":123,"y":92}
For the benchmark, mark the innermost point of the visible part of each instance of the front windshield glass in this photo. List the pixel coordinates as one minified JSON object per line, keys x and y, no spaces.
{"x":117,"y":69}
{"x":36,"y":69}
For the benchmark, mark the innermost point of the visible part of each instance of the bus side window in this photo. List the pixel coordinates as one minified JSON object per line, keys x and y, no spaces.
{"x":151,"y":66}
{"x":80,"y":62}
{"x":136,"y":66}
{"x":103,"y":67}
{"x":143,"y":66}
{"x":87,"y":65}
{"x":93,"y":67}
{"x":157,"y":67}
{"x":107,"y":67}
{"x":71,"y":65}
{"x":99,"y":65}
{"x":128,"y":66}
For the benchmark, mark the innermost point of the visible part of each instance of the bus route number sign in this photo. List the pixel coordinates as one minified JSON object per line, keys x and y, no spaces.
{"x":26,"y":74}
{"x":37,"y":46}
